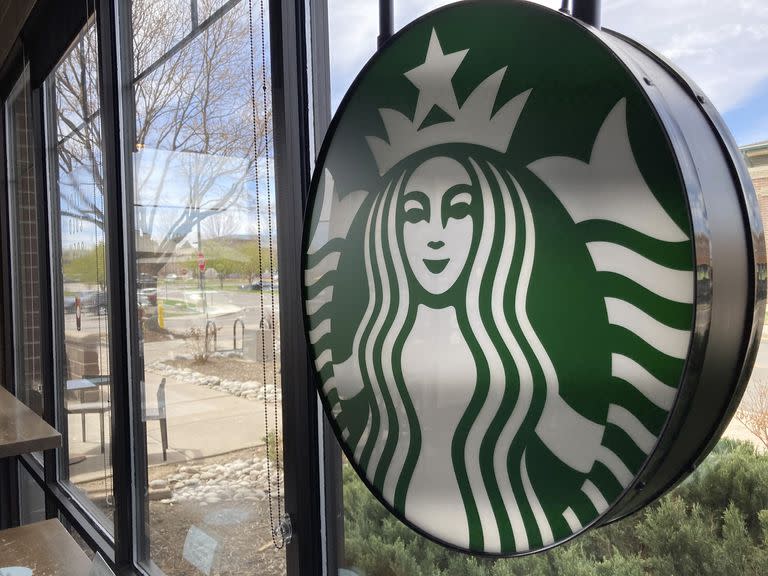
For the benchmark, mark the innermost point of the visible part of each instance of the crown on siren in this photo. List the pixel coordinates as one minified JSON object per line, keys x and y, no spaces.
{"x":472,"y":123}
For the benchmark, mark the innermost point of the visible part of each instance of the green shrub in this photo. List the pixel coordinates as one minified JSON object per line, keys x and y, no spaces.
{"x":714,"y":524}
{"x":733,"y":473}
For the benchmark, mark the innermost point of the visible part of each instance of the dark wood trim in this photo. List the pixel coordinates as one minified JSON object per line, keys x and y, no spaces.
{"x":48,"y":32}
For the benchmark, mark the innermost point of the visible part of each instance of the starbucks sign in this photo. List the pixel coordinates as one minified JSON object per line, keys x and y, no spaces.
{"x":534,"y":276}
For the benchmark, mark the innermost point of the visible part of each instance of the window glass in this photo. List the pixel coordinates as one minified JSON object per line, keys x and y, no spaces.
{"x":80,"y":292}
{"x":206,"y":291}
{"x":696,"y":528}
{"x":68,"y":526}
{"x":24,"y":234}
{"x":31,"y":499}
{"x":157,"y":28}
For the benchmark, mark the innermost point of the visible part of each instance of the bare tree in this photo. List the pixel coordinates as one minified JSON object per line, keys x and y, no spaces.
{"x":195,"y":154}
{"x":78,"y":130}
{"x":753,"y":410}
{"x":221,"y":225}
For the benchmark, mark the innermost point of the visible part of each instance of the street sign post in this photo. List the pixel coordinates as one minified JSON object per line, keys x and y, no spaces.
{"x":201,"y":269}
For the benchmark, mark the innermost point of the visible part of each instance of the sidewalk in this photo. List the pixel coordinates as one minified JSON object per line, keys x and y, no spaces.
{"x":202,"y":422}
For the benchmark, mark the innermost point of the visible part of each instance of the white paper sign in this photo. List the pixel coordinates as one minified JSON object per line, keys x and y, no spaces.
{"x":15,"y":571}
{"x":200,"y":549}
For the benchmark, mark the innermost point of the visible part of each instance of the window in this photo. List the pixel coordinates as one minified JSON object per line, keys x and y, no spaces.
{"x":31,"y":499}
{"x":206,"y":288}
{"x":24,"y":233}
{"x":79,"y":236}
{"x":180,"y":463}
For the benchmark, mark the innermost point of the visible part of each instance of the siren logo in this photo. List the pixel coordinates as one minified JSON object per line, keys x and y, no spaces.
{"x":499,"y":322}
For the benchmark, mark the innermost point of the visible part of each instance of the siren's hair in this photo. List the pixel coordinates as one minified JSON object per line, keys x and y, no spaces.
{"x":494,"y":427}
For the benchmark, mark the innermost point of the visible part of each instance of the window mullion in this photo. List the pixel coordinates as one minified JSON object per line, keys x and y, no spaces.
{"x":119,"y":351}
{"x":44,"y":279}
{"x":300,"y":415}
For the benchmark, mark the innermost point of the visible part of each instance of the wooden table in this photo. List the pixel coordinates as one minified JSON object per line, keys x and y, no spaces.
{"x":44,"y":547}
{"x":21,"y":430}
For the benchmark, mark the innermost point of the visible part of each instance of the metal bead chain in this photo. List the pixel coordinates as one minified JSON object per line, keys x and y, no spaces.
{"x":278,"y":532}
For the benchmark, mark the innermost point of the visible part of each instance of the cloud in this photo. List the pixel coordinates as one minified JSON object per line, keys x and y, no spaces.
{"x":721,"y":45}
{"x":756,"y":132}
{"x":354,"y":27}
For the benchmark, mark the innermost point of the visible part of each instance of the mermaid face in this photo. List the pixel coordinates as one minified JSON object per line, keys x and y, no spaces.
{"x":437,"y":233}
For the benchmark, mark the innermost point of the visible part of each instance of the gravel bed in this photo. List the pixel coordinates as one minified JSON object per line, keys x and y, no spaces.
{"x":223,"y":497}
{"x":211,"y":375}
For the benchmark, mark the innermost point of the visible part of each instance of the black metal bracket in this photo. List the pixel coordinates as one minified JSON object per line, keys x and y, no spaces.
{"x":386,"y":21}
{"x":588,"y":11}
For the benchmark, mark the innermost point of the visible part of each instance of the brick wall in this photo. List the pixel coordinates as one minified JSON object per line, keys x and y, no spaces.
{"x":761,"y":185}
{"x":764,"y":213}
{"x":758,"y":171}
{"x":27,"y":263}
{"x":83,"y":355}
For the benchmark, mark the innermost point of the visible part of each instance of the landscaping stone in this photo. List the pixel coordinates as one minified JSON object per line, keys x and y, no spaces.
{"x":241,"y":479}
{"x":252,"y":390}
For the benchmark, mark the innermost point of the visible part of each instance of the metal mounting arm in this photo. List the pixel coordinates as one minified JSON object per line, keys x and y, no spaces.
{"x":588,"y":11}
{"x":386,"y":21}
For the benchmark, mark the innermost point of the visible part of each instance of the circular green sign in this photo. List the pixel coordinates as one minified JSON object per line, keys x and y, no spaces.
{"x":499,"y":276}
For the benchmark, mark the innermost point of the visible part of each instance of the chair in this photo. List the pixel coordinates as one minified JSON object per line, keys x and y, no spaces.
{"x":158,"y":413}
{"x":98,"y":406}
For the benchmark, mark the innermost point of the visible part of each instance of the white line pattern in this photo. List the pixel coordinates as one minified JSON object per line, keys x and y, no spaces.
{"x":545,"y":530}
{"x":670,"y":341}
{"x":378,"y":325}
{"x":676,"y":285}
{"x":628,"y":422}
{"x":595,"y":496}
{"x":320,"y":330}
{"x":616,"y":466}
{"x":573,"y":522}
{"x":646,"y":383}
{"x":515,"y":420}
{"x":404,"y":436}
{"x":328,"y":263}
{"x":491,"y":537}
{"x":323,"y":297}
{"x":325,"y":357}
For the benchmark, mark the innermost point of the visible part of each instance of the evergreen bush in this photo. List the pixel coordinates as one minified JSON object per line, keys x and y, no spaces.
{"x":714,"y":524}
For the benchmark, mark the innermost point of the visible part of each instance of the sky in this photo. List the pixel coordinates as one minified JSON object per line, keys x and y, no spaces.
{"x":721,"y":45}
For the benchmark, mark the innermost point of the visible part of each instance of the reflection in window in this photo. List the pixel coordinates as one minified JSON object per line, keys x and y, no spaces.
{"x":81,"y":303}
{"x":205,"y":274}
{"x":23,"y":200}
{"x":31,"y":499}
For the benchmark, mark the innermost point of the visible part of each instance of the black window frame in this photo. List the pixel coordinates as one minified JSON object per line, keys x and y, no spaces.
{"x":298,"y":31}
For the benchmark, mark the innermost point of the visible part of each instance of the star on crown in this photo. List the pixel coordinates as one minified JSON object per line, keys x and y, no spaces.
{"x":472,"y":123}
